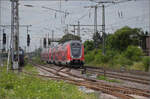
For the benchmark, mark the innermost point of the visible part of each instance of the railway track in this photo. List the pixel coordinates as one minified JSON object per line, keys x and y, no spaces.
{"x":118,"y":75}
{"x":121,"y":76}
{"x":132,"y":72}
{"x":121,"y":92}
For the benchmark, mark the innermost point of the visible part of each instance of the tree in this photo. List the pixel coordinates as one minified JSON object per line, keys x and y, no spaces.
{"x":133,"y":53}
{"x":69,"y":37}
{"x":124,"y":37}
{"x":88,"y":46}
{"x":97,"y":39}
{"x":146,"y":62}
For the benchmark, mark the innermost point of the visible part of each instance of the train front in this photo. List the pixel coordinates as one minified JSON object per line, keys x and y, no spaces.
{"x":77,"y":53}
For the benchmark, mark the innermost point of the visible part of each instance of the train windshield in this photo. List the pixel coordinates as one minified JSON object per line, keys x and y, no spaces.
{"x":76,"y":49}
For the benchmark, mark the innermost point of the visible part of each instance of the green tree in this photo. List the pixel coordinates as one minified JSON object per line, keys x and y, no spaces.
{"x":88,"y":46}
{"x":133,"y":53}
{"x":69,"y":37}
{"x":146,"y":62}
{"x":97,"y":39}
{"x":124,"y":37}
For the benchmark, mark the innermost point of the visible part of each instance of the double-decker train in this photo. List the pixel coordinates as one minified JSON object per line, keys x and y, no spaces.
{"x":70,"y":54}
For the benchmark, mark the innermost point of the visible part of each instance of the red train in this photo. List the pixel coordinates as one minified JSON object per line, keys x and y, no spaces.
{"x":70,"y":54}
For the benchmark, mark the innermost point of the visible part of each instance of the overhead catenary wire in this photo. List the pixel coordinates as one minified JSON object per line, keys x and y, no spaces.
{"x":127,"y":19}
{"x":83,"y":17}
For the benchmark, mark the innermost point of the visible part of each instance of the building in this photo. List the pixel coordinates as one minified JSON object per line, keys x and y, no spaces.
{"x":147,"y":45}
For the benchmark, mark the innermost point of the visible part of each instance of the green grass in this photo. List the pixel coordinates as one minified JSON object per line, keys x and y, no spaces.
{"x":30,"y":68}
{"x":21,"y":86}
{"x":38,"y":60}
{"x":107,"y":79}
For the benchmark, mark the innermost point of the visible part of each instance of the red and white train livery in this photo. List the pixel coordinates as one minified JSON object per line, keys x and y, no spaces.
{"x":70,"y":53}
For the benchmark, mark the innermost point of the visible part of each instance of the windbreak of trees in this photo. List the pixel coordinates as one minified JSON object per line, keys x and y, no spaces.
{"x":122,"y":50}
{"x":69,"y":37}
{"x":124,"y":37}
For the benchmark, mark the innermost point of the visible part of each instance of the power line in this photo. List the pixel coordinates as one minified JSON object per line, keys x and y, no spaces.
{"x":84,"y":15}
{"x":128,"y":19}
{"x":96,"y":1}
{"x":60,"y":11}
{"x":52,"y":0}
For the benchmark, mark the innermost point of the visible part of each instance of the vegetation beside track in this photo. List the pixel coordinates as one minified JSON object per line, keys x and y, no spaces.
{"x":30,"y":69}
{"x":118,"y":60}
{"x":122,"y":51}
{"x":108,"y":79}
{"x":21,"y":86}
{"x":38,"y":60}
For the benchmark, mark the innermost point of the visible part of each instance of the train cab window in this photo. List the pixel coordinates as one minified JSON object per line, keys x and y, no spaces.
{"x":76,"y":50}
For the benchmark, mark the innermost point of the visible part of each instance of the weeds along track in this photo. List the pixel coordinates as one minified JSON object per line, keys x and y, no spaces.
{"x":123,"y":76}
{"x":118,"y":91}
{"x":132,"y":72}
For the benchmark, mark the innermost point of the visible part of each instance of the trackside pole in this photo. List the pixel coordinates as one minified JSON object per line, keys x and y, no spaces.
{"x":84,"y":70}
{"x":8,"y":60}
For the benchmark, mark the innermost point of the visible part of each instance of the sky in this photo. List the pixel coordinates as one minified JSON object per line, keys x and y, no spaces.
{"x":132,"y":13}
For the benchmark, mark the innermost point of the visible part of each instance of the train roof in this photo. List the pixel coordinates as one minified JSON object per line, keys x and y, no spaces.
{"x":72,"y":41}
{"x":57,"y":46}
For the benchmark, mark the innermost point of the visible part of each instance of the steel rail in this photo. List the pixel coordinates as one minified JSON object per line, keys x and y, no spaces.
{"x":89,"y":85}
{"x":122,"y":77}
{"x":121,"y":71}
{"x":103,"y":86}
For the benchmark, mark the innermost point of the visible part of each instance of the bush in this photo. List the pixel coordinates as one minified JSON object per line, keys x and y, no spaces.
{"x":114,"y":59}
{"x":88,"y":46}
{"x":89,"y":57}
{"x":137,"y":66}
{"x":100,"y":58}
{"x":111,"y":53}
{"x":146,"y":62}
{"x":120,"y":61}
{"x":96,"y":56}
{"x":133,"y":53}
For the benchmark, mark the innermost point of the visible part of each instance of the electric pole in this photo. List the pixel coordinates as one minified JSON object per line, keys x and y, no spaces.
{"x":103,"y":22}
{"x":40,"y":42}
{"x":0,"y":36}
{"x":27,"y":28}
{"x":7,"y":25}
{"x":15,"y":34}
{"x":78,"y":29}
{"x":95,"y":35}
{"x":74,"y":30}
{"x":149,"y":18}
{"x":103,"y":27}
{"x":95,"y":16}
{"x":52,"y":36}
{"x":66,"y":29}
{"x":95,"y":20}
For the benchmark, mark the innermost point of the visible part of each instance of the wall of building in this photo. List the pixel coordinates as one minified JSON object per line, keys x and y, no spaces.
{"x":148,"y":45}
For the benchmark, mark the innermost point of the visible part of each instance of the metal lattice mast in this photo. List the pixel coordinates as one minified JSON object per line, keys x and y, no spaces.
{"x":95,"y":20}
{"x":78,"y":28}
{"x":0,"y":35}
{"x":15,"y":31}
{"x":103,"y":27}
